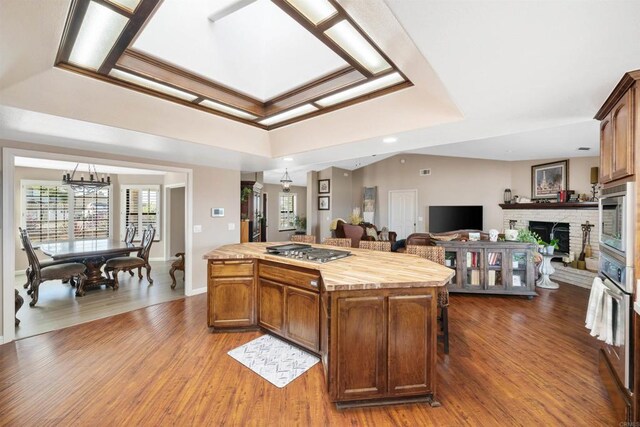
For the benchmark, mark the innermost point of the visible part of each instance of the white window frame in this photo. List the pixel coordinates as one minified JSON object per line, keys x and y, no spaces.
{"x":123,"y":206}
{"x":71,"y":228}
{"x":295,"y":211}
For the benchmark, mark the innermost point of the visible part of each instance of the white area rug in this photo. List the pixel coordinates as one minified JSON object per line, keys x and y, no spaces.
{"x":274,"y":360}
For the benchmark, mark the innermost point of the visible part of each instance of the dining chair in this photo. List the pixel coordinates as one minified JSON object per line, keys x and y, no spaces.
{"x":303,"y":238}
{"x":337,"y":241}
{"x":40,"y":274}
{"x":129,"y":235}
{"x":436,"y":254}
{"x":177,"y":265}
{"x":125,"y":263}
{"x":375,"y":245}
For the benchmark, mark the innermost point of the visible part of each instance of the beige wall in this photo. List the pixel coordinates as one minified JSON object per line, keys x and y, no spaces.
{"x":175,"y":220}
{"x":579,"y":175}
{"x":453,"y":181}
{"x":272,"y":191}
{"x":215,"y":231}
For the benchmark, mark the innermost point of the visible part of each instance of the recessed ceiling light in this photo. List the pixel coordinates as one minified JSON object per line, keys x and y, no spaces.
{"x":150,"y":84}
{"x":99,"y":31}
{"x":315,"y":11}
{"x":289,"y":114}
{"x":288,"y":159}
{"x":390,"y":140}
{"x":226,"y":109}
{"x":354,"y":92}
{"x":349,"y":39}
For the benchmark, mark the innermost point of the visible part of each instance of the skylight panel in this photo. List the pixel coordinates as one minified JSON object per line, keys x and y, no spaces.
{"x":315,"y":11}
{"x":99,"y":31}
{"x":352,"y":42}
{"x":289,"y":114}
{"x":354,"y":92}
{"x":150,"y":84}
{"x":129,"y":5}
{"x":226,"y":109}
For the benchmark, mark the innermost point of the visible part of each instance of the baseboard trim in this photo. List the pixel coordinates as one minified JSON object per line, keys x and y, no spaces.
{"x":198,"y":291}
{"x":157,"y":259}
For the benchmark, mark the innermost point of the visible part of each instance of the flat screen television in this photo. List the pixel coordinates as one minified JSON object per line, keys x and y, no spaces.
{"x":449,"y":218}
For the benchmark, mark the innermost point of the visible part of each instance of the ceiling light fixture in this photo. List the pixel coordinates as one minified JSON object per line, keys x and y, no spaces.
{"x":289,"y":114}
{"x":226,"y":109}
{"x":352,"y":42}
{"x":150,"y":84}
{"x":99,"y":31}
{"x":229,"y":9}
{"x":390,"y":140}
{"x":354,"y":92}
{"x":288,"y":159}
{"x":315,"y":11}
{"x":286,"y":182}
{"x":93,"y":183}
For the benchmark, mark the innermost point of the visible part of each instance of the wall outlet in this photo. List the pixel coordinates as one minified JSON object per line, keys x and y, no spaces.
{"x":197,"y":229}
{"x":231,"y":226}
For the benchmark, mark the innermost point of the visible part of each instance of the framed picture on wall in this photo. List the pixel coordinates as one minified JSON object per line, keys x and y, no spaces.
{"x":323,"y":203}
{"x":548,"y":179}
{"x":324,"y":186}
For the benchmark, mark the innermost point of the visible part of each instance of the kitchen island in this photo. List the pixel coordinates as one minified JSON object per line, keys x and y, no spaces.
{"x":371,"y":317}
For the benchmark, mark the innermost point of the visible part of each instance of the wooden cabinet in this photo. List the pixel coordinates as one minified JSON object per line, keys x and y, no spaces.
{"x":382,"y":344}
{"x":618,"y":118}
{"x":231,"y":294}
{"x":290,"y":304}
{"x":272,"y":296}
{"x":491,"y":267}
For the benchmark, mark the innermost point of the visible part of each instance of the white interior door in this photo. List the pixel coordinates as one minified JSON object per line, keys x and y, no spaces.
{"x":402,"y":212}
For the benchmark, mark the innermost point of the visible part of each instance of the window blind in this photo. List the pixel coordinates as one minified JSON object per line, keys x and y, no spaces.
{"x":287,"y":211}
{"x":91,"y":214}
{"x":141,"y":206}
{"x":46,"y":212}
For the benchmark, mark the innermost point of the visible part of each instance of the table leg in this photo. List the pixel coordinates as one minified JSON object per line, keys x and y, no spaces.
{"x":546,"y":269}
{"x":94,"y":276}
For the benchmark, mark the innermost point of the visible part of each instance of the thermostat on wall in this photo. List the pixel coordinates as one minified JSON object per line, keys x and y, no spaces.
{"x":217,"y":212}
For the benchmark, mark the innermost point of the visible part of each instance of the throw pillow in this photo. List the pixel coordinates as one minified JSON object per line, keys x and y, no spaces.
{"x":371,"y":232}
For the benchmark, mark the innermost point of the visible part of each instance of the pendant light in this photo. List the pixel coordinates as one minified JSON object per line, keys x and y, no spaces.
{"x":286,"y":182}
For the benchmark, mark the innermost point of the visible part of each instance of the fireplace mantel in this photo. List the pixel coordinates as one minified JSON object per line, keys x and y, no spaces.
{"x":585,"y":205}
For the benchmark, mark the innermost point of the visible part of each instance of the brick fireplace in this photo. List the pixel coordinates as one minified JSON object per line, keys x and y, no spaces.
{"x":571,"y":216}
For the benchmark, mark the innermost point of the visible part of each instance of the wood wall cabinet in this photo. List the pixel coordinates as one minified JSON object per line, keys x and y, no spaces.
{"x":231,"y":294}
{"x":486,"y":267}
{"x":382,"y":344}
{"x":290,"y":304}
{"x":619,"y":120}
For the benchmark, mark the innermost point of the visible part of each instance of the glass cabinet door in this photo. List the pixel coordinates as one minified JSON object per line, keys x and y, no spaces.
{"x":494,"y":274}
{"x":519,"y":269}
{"x":451,"y":261}
{"x":473,"y":265}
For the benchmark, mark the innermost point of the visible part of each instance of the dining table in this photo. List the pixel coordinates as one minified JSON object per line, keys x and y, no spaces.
{"x":93,"y":254}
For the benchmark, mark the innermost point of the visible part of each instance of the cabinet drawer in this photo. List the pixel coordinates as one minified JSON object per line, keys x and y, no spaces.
{"x":303,"y":279}
{"x":230,"y":268}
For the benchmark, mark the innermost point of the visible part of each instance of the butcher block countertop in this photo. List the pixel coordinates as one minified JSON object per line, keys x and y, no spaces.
{"x":364,"y":269}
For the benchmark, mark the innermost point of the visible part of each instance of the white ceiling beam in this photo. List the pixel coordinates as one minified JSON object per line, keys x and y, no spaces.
{"x":228,"y":10}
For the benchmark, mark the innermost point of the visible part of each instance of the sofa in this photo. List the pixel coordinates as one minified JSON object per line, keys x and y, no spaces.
{"x":429,"y":239}
{"x":360,"y":232}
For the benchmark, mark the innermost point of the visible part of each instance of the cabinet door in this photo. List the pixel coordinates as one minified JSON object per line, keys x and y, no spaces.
{"x":451,"y":257}
{"x":231,"y":302}
{"x":606,"y":150}
{"x":622,"y":138}
{"x":361,"y":368}
{"x":271,"y":305}
{"x":472,"y":267}
{"x":302,"y":317}
{"x":411,"y":340}
{"x":521,"y":270}
{"x":495,"y":269}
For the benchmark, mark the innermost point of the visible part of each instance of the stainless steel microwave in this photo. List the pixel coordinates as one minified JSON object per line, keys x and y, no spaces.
{"x":617,"y":219}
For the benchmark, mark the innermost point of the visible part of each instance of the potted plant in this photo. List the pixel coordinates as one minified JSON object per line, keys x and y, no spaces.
{"x":245,"y":193}
{"x":300,"y":222}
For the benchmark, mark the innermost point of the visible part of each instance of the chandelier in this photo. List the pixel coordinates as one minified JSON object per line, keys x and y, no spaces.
{"x":286,"y":182}
{"x":93,"y":183}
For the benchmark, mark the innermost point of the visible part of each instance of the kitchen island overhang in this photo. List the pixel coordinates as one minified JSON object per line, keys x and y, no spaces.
{"x":371,"y":317}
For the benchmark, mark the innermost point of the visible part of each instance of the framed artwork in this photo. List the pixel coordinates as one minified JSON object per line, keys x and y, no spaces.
{"x":548,"y":179}
{"x":324,"y":186}
{"x":323,"y":203}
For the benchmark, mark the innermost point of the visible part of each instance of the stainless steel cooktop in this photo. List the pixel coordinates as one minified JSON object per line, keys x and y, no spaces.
{"x":307,"y":252}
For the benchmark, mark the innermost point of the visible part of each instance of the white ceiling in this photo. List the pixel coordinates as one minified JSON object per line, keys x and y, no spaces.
{"x":257,"y":50}
{"x":526,"y":76}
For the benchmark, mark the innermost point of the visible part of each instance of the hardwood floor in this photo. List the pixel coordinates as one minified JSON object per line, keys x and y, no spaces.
{"x":58,"y":307}
{"x":512,"y":362}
